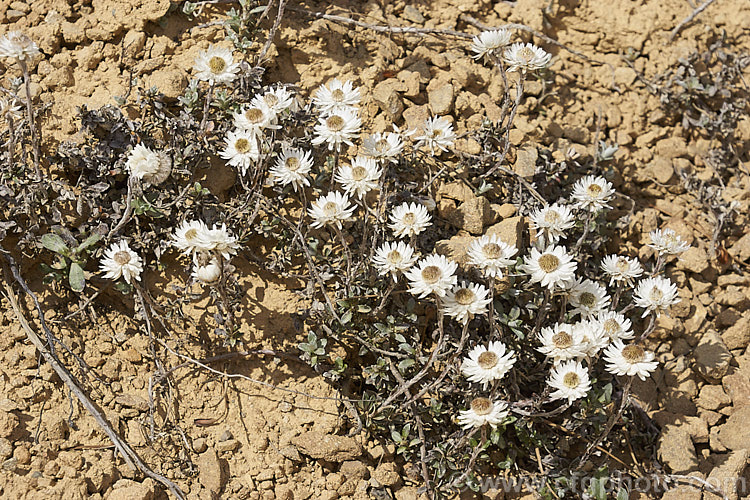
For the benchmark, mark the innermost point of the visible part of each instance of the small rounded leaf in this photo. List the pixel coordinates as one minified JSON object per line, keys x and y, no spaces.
{"x":76,"y":278}
{"x":53,"y":242}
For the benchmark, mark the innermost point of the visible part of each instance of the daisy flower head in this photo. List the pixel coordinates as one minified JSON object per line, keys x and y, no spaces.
{"x":255,"y":118}
{"x":360,"y":177}
{"x":216,"y":65}
{"x":490,"y":254}
{"x":526,"y":57}
{"x":667,"y":242}
{"x":551,"y":268}
{"x":189,"y":237}
{"x":409,"y":219}
{"x":588,"y":298}
{"x":148,"y":165}
{"x":570,"y":381}
{"x":594,"y":337}
{"x":483,"y":411}
{"x":487,"y":364}
{"x":437,"y":134}
{"x":332,"y":208}
{"x":465,"y":301}
{"x":336,"y":96}
{"x":629,"y":360}
{"x":279,"y":99}
{"x":621,"y":269}
{"x":552,"y":221}
{"x":207,"y":273}
{"x":433,"y":274}
{"x":337,"y":127}
{"x":394,"y":257}
{"x":220,"y":240}
{"x":9,"y":109}
{"x":18,"y":46}
{"x":592,"y":193}
{"x":489,"y":42}
{"x":383,"y":146}
{"x":120,"y":261}
{"x":615,"y":325}
{"x":292,"y":167}
{"x":241,"y":150}
{"x":655,"y":294}
{"x":562,"y":342}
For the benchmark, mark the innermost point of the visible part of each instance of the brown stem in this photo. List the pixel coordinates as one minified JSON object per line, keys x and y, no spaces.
{"x":35,"y":138}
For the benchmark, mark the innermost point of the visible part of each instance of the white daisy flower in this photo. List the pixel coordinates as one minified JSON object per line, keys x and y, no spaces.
{"x":332,"y":208}
{"x":336,"y":128}
{"x":383,"y":146}
{"x":629,"y":360}
{"x":255,"y":118}
{"x":562,"y":342}
{"x":18,"y":46}
{"x":219,"y":239}
{"x":216,"y":65}
{"x":120,"y":261}
{"x":552,"y":221}
{"x":437,"y":134}
{"x":594,"y":337}
{"x":189,"y":237}
{"x":360,"y":177}
{"x":667,"y":242}
{"x":490,"y":254}
{"x":292,"y":167}
{"x":465,"y":301}
{"x":526,"y":57}
{"x":483,"y":411}
{"x":489,"y":42}
{"x":241,"y":150}
{"x":433,"y":274}
{"x":409,"y":219}
{"x":655,"y":294}
{"x":552,"y":268}
{"x":615,"y":325}
{"x":279,"y":99}
{"x":588,"y":298}
{"x":9,"y":109}
{"x":487,"y":364}
{"x":208,"y":273}
{"x":571,"y":381}
{"x":336,"y":97}
{"x":621,"y":269}
{"x":151,"y":167}
{"x":394,"y":257}
{"x":592,"y":193}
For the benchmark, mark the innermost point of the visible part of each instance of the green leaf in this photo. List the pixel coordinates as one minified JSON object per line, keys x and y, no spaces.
{"x":346,"y":317}
{"x":597,"y":489}
{"x":404,"y":364}
{"x":91,"y":240}
{"x":53,"y":242}
{"x":622,"y":494}
{"x":76,"y":278}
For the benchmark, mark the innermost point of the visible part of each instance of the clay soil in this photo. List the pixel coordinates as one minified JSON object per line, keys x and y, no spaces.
{"x":238,"y":438}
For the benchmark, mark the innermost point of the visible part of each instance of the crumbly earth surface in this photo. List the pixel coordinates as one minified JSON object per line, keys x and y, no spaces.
{"x":238,"y":438}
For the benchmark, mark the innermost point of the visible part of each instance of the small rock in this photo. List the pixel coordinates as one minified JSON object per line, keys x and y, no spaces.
{"x":509,"y":230}
{"x":458,"y":191}
{"x":132,"y":401}
{"x":737,"y":336}
{"x":525,"y":165}
{"x":291,"y":453}
{"x":20,"y":6}
{"x":728,"y":475}
{"x":199,"y":445}
{"x":10,"y":465}
{"x":412,"y":14}
{"x":226,"y":435}
{"x":713,"y":397}
{"x":741,"y":249}
{"x":387,"y":98}
{"x":387,"y":474}
{"x":414,"y":116}
{"x":684,"y":491}
{"x":6,"y":449}
{"x":712,"y":356}
{"x":694,"y":260}
{"x":228,"y":445}
{"x":170,"y":81}
{"x":8,"y":423}
{"x":126,"y":489}
{"x":210,"y":471}
{"x":327,"y":447}
{"x":455,"y":248}
{"x":354,"y":469}
{"x":13,"y":15}
{"x":441,"y":99}
{"x":735,"y":433}
{"x":737,"y":387}
{"x":472,"y":215}
{"x":661,"y":169}
{"x":677,"y":451}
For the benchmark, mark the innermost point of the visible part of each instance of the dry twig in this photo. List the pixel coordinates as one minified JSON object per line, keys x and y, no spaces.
{"x":689,"y":18}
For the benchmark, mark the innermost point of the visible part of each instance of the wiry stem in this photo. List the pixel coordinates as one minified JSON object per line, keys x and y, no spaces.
{"x":35,"y":139}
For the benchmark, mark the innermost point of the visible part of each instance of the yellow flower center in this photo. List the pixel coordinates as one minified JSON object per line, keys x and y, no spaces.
{"x":409,"y":218}
{"x":271,"y":99}
{"x":122,"y":257}
{"x":492,"y":250}
{"x":633,"y":353}
{"x":394,"y":257}
{"x":217,"y":64}
{"x":335,"y":123}
{"x":594,"y":190}
{"x":337,"y":95}
{"x":191,"y":234}
{"x":551,"y":217}
{"x":562,"y":340}
{"x":431,"y":274}
{"x":330,"y":209}
{"x":464,"y":296}
{"x":571,"y":380}
{"x":254,"y":115}
{"x":292,"y":163}
{"x":587,"y":299}
{"x":487,"y":360}
{"x":382,"y":146}
{"x":359,"y":173}
{"x":611,"y":327}
{"x":622,"y":265}
{"x":526,"y":54}
{"x":481,"y":406}
{"x":548,"y":262}
{"x":242,"y":145}
{"x":656,"y":294}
